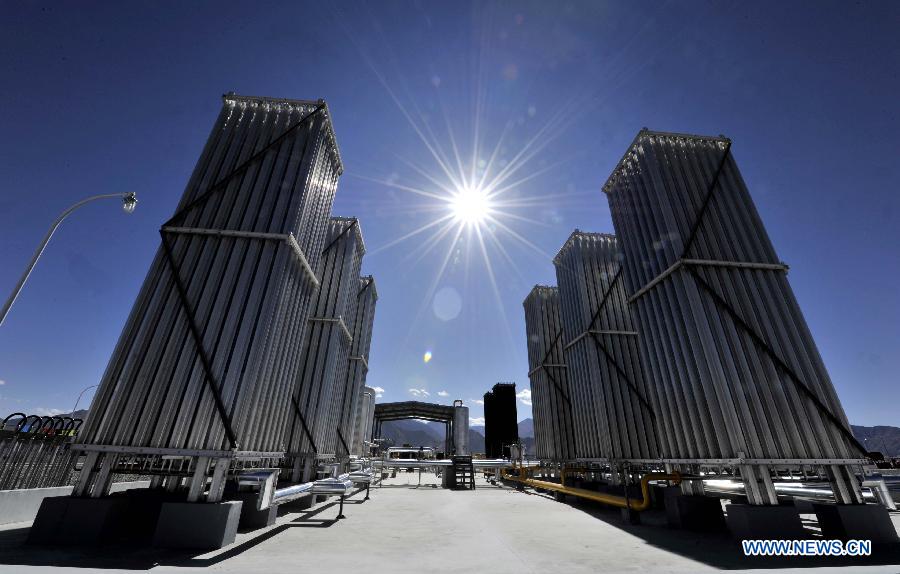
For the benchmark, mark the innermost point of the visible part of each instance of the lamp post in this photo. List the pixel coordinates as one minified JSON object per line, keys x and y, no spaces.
{"x":78,"y":400}
{"x":129,"y":202}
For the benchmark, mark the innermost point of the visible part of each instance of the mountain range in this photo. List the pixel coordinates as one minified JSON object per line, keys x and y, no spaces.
{"x":883,"y":439}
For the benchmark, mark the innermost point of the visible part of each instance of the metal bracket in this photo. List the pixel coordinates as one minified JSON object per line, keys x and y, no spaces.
{"x":598,"y":332}
{"x":339,"y":321}
{"x":704,"y":263}
{"x":363,"y":360}
{"x":288,"y":238}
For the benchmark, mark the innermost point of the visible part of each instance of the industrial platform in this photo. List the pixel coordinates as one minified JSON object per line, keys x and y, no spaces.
{"x":406,"y":527}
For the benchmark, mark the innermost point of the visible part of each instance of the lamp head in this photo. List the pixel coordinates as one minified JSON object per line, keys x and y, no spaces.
{"x":129,"y":202}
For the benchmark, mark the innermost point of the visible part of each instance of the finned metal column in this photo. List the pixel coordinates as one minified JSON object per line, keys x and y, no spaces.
{"x":321,"y":375}
{"x":726,"y":349}
{"x":351,"y":390}
{"x":200,"y":367}
{"x":612,"y":414}
{"x":548,"y":372}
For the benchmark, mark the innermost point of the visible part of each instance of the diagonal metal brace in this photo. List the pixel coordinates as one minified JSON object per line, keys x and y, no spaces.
{"x":210,"y":379}
{"x":308,"y":434}
{"x":222,"y":183}
{"x":781,"y":364}
{"x":343,"y":442}
{"x":706,"y":201}
{"x":559,"y":388}
{"x":624,"y":376}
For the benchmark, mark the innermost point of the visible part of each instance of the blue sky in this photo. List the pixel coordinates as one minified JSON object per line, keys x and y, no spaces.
{"x":107,"y":97}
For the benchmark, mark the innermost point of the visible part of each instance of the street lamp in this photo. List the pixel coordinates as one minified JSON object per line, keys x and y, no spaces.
{"x":78,"y":400}
{"x":129,"y":202}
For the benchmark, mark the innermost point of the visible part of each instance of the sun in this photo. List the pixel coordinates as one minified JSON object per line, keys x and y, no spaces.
{"x":470,"y":205}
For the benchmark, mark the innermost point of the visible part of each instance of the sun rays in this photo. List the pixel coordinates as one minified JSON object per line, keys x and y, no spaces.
{"x":477,"y":187}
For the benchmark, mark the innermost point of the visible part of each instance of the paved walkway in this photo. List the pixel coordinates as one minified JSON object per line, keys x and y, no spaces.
{"x":410,"y":528}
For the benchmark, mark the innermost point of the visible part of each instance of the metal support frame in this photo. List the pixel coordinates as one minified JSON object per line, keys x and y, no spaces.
{"x":681,"y":263}
{"x":287,"y":238}
{"x":198,"y":480}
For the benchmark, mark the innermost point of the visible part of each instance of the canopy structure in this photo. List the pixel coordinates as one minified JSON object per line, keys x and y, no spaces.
{"x":455,"y":419}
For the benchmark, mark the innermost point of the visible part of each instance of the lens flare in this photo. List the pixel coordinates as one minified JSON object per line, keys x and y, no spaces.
{"x":427,"y":357}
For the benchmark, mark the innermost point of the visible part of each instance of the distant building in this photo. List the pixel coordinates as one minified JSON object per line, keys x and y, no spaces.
{"x":501,"y":428}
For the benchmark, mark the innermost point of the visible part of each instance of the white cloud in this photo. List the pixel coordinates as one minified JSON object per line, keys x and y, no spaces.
{"x":443,"y":393}
{"x":476,"y":421}
{"x":2,"y":382}
{"x":477,"y":401}
{"x":421,"y":393}
{"x":42,"y":412}
{"x":525,"y":396}
{"x":379,"y":392}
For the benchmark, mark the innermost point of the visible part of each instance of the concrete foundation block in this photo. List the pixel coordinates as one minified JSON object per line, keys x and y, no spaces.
{"x":658,"y":496}
{"x":747,"y":521}
{"x":251,"y":518}
{"x":204,"y":526}
{"x":142,"y":513}
{"x":630,"y":516}
{"x":856,"y":521}
{"x":692,"y":512}
{"x":78,"y":521}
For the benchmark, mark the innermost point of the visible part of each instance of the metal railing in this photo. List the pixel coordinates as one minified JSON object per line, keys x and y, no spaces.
{"x":35,"y":451}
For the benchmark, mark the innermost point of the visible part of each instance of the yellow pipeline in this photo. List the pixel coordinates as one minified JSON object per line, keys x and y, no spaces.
{"x":611,"y":499}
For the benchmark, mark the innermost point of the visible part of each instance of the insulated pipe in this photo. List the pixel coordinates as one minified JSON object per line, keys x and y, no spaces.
{"x":293,"y":492}
{"x":611,"y":499}
{"x":415,"y":463}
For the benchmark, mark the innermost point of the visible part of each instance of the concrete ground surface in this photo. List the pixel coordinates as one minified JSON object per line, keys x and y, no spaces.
{"x":405,"y":527}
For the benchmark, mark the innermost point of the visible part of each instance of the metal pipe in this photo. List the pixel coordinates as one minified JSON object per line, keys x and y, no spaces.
{"x":610,"y":499}
{"x":293,"y":492}
{"x":822,"y":490}
{"x":415,"y":463}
